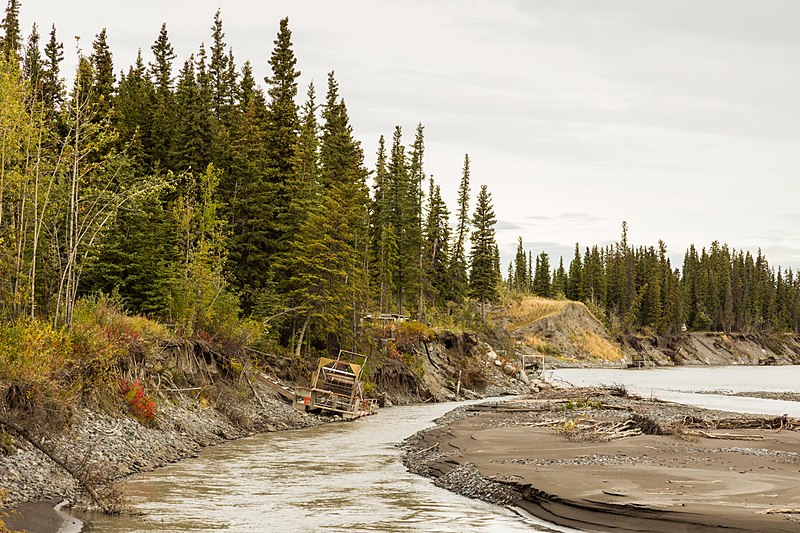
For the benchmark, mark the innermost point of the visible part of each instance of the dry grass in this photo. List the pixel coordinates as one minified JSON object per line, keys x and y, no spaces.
{"x":528,"y":311}
{"x":596,"y":346}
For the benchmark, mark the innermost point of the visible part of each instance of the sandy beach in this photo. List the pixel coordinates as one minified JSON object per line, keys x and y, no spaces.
{"x":591,"y":460}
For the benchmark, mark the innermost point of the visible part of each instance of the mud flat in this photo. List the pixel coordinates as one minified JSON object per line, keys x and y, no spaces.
{"x":598,"y":459}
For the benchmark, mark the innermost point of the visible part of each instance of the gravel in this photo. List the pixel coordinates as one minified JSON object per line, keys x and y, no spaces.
{"x":119,"y":446}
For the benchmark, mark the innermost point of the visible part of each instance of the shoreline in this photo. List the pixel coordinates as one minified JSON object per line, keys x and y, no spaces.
{"x":118,"y":446}
{"x":549,"y":455}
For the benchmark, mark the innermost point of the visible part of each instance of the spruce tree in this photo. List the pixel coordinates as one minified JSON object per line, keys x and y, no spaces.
{"x":520,"y":269}
{"x":33,"y":65}
{"x":222,"y":91}
{"x":282,"y":124}
{"x":384,"y":239}
{"x":222,"y":87}
{"x":541,"y":276}
{"x":249,"y":197}
{"x":329,"y":252}
{"x":414,"y":221}
{"x":458,"y":263}
{"x":11,"y":39}
{"x":164,"y":118}
{"x":104,"y":81}
{"x":484,"y":278}
{"x":559,"y":287}
{"x":52,"y":84}
{"x":437,"y":246}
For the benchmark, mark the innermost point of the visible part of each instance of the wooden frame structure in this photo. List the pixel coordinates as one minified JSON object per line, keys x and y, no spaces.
{"x":336,"y":387}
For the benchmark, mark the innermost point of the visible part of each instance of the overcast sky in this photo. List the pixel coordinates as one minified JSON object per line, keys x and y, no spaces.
{"x":681,"y":117}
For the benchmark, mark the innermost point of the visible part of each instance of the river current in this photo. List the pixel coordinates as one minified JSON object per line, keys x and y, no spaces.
{"x":348,"y":476}
{"x":338,"y":477}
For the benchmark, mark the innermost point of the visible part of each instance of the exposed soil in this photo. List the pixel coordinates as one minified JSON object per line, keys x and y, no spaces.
{"x":567,"y":334}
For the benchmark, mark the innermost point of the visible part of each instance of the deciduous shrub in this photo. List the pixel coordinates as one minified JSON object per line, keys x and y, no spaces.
{"x":142,"y":407}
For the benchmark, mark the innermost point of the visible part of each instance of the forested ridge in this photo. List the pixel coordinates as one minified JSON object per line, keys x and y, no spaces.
{"x":191,"y":193}
{"x":636,"y":289}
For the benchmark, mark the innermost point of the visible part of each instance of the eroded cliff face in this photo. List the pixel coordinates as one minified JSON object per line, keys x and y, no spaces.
{"x":440,"y":367}
{"x":566,"y":334}
{"x":713,"y":349}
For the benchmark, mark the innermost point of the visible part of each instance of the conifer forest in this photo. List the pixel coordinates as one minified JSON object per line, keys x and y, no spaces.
{"x":189,"y":192}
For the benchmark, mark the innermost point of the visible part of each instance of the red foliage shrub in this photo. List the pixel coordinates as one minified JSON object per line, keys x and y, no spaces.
{"x":141,"y":406}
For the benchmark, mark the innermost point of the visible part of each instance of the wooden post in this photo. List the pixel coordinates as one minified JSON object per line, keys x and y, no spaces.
{"x":458,"y":385}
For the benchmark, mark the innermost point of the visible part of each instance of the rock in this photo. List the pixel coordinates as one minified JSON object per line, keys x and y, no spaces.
{"x":523,"y":377}
{"x":509,"y":370}
{"x":492,"y":355}
{"x":498,"y":363}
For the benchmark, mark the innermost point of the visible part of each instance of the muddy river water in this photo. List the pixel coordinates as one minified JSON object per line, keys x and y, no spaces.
{"x":348,"y":476}
{"x":339,"y":477}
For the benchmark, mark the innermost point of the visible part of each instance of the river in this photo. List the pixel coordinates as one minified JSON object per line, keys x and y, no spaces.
{"x":682,"y":384}
{"x":348,"y":476}
{"x":337,"y":477}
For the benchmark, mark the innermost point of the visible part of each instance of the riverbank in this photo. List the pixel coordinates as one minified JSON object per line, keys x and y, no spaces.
{"x":118,"y":446}
{"x":600,"y":460}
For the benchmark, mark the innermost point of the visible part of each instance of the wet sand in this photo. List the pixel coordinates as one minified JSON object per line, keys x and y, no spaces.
{"x":40,"y":517}
{"x":695,"y":480}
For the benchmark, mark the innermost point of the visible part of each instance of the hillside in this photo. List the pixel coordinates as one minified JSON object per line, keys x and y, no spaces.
{"x":567,"y":333}
{"x":562,"y":330}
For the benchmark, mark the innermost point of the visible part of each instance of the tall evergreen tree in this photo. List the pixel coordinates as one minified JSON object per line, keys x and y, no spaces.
{"x":283,"y":126}
{"x":521,"y":282}
{"x":559,"y":287}
{"x":384,"y":239}
{"x":192,"y":138}
{"x":414,"y":230}
{"x":249,"y":198}
{"x":11,"y":40}
{"x":484,"y":270}
{"x":541,"y":276}
{"x":222,"y":87}
{"x":437,"y":246}
{"x":330,"y":251}
{"x":52,"y":84}
{"x":458,"y":266}
{"x":164,"y":118}
{"x":104,"y":81}
{"x":33,"y":64}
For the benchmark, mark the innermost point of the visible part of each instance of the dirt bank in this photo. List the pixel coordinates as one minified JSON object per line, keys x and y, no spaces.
{"x":567,"y":334}
{"x":111,"y":447}
{"x":587,"y":459}
{"x":703,"y":348}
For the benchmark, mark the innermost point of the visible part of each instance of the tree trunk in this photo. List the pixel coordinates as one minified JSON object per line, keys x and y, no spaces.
{"x":298,"y":348}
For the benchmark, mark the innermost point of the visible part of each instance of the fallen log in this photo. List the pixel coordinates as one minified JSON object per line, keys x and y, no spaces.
{"x":729,"y":436}
{"x":76,"y":473}
{"x":794,"y":510}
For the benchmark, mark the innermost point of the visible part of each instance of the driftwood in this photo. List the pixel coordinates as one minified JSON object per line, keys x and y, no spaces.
{"x":794,"y":510}
{"x":77,"y":474}
{"x":592,"y":430}
{"x":729,"y":436}
{"x":779,"y":422}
